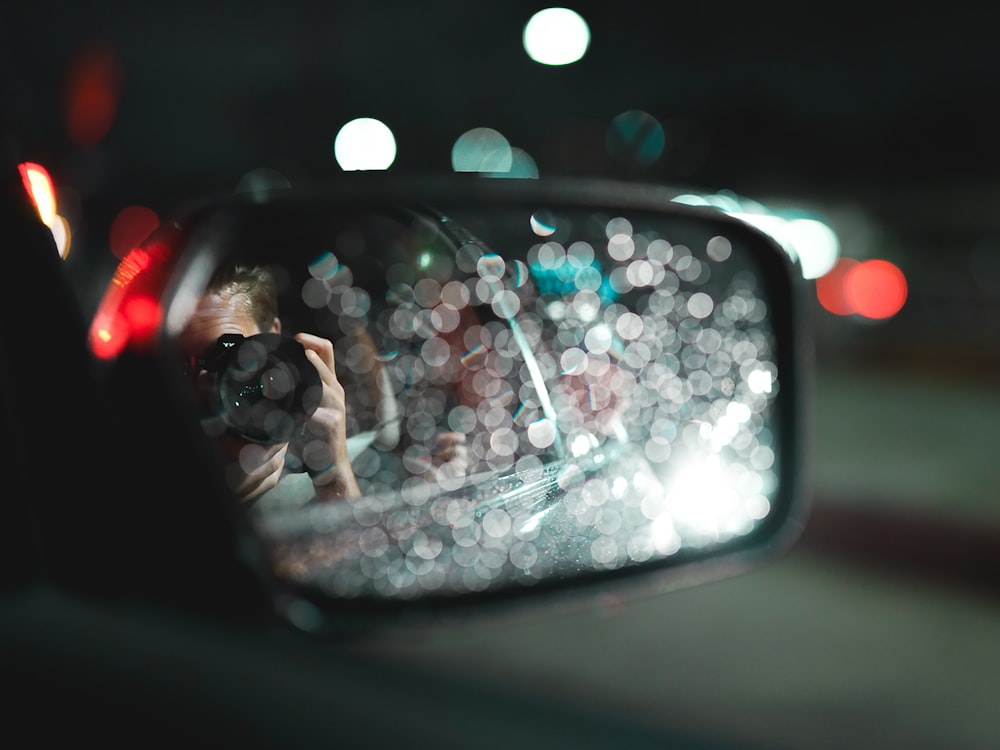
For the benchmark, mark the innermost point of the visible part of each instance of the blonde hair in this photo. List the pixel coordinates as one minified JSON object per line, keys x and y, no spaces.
{"x":256,"y":283}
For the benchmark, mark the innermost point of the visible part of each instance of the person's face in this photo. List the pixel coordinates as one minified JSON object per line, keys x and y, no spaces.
{"x":215,"y":315}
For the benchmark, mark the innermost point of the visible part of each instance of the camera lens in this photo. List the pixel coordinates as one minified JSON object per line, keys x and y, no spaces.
{"x":265,"y":387}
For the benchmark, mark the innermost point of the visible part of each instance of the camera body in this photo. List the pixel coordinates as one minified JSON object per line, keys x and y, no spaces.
{"x":263,"y":388}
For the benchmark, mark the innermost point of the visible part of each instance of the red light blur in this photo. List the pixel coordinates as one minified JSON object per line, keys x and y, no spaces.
{"x":91,"y":94}
{"x":130,"y":227}
{"x":143,"y":316}
{"x":877,"y":289}
{"x":129,"y":313}
{"x":874,"y":289}
{"x":109,"y":339}
{"x":830,"y":287}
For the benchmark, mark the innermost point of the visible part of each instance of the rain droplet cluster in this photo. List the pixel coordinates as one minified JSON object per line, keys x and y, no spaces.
{"x":613,"y":399}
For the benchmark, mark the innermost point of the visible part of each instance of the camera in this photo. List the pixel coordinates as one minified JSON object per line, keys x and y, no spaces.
{"x":262,"y":387}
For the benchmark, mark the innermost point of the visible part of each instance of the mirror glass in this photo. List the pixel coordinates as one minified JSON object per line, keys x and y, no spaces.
{"x":530,"y":391}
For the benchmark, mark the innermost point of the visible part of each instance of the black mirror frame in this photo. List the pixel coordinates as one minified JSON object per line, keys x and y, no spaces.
{"x":312,"y":611}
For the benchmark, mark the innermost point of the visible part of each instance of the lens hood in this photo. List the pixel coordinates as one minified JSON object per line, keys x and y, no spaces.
{"x":265,"y":388}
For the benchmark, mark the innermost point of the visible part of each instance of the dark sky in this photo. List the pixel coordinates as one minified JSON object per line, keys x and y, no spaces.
{"x":777,"y":96}
{"x":893,"y":113}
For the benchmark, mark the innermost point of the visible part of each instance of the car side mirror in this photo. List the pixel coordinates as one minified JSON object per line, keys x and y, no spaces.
{"x":549,"y":385}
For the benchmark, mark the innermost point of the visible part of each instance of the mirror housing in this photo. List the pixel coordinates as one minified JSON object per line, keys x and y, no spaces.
{"x":627,"y":376}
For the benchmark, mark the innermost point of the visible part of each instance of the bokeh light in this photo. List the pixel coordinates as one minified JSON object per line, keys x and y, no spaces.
{"x":38,"y":183}
{"x":543,"y":223}
{"x":635,"y":136}
{"x":130,"y":227}
{"x":874,"y":289}
{"x":482,"y":150}
{"x":521,"y":166}
{"x":597,"y":369}
{"x":817,"y":245}
{"x":92,"y":90}
{"x":556,"y":36}
{"x":809,"y":241}
{"x":365,"y":144}
{"x":129,"y":312}
{"x":62,"y":234}
{"x":143,"y":314}
{"x":830,"y":288}
{"x":261,"y":180}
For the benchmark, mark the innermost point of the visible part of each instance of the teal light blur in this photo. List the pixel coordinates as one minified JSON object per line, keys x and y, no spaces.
{"x":522,"y":166}
{"x":260,"y":180}
{"x":482,"y":150}
{"x":807,"y":239}
{"x":636,"y":137}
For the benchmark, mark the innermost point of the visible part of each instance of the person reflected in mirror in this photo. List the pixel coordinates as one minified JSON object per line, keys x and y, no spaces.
{"x":449,"y":460}
{"x":242,"y":299}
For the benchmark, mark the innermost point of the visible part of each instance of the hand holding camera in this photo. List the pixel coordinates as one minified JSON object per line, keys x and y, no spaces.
{"x":281,"y":396}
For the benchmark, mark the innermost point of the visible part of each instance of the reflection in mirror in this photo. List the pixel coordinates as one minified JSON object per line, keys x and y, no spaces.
{"x":525,"y":394}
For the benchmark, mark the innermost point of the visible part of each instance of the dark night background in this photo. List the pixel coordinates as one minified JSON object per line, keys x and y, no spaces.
{"x":883,"y":119}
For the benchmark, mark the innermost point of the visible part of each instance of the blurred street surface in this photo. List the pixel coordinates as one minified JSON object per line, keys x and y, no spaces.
{"x":880,"y":629}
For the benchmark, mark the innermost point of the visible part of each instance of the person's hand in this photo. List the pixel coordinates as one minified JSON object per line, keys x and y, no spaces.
{"x":449,"y":461}
{"x":324,"y":439}
{"x":252,"y":469}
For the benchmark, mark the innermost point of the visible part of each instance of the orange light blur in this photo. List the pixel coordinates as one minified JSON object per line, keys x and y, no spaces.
{"x":109,"y":337}
{"x":130,"y":227}
{"x":137,"y":261}
{"x":38,"y":183}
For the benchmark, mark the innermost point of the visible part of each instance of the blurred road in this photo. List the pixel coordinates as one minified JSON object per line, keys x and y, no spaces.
{"x":880,"y":629}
